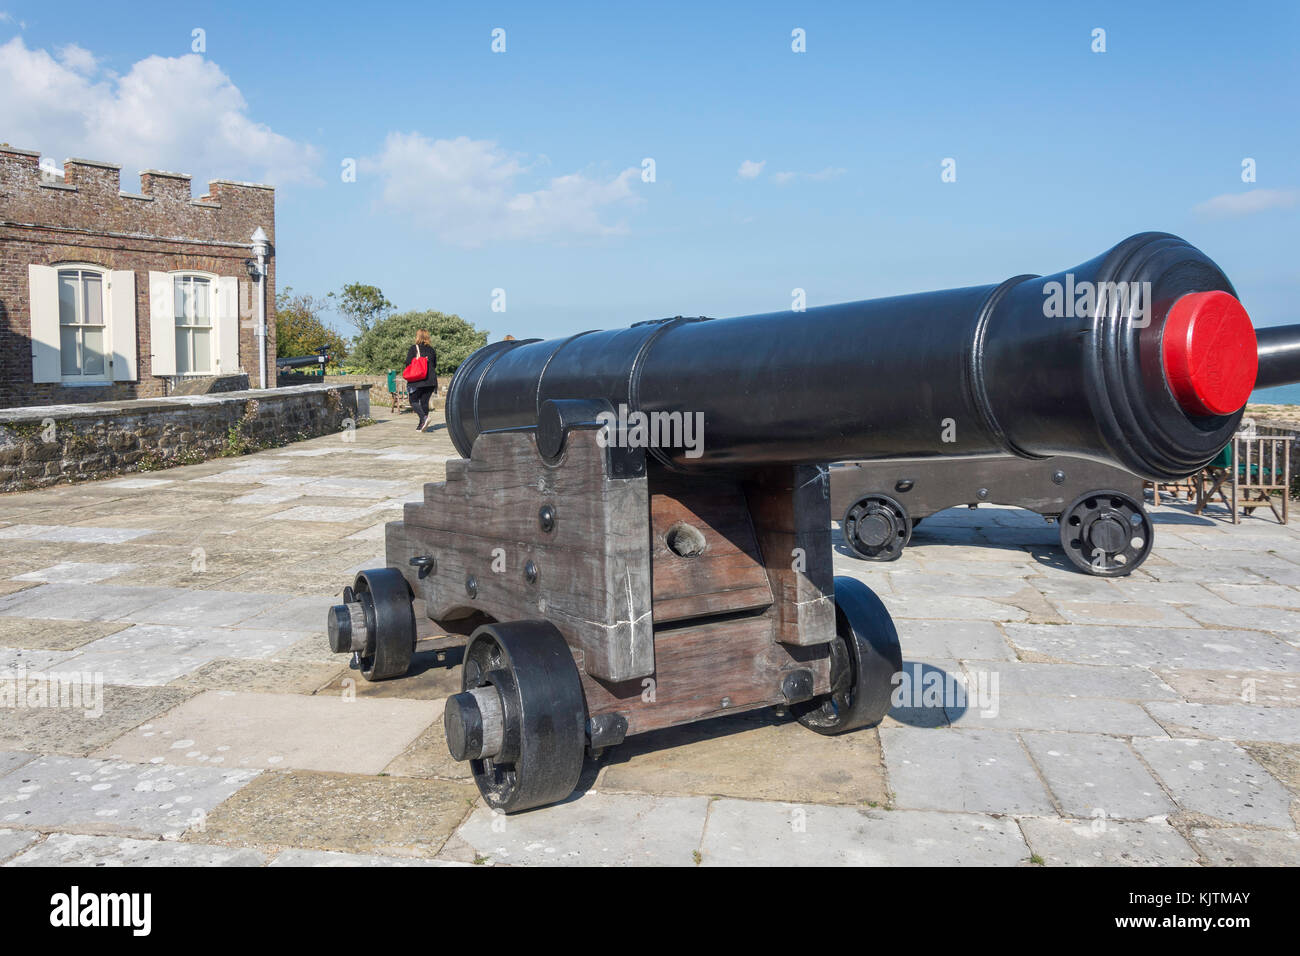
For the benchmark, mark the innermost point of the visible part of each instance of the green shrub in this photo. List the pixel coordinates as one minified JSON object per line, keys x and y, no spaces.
{"x":384,"y":346}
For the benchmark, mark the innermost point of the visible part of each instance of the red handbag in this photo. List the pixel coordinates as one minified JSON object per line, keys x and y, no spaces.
{"x":418,"y":368}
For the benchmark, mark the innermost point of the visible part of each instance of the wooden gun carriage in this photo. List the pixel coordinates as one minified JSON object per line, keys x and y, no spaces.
{"x":611,"y":586}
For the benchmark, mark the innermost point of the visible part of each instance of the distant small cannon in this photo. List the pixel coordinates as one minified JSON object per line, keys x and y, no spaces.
{"x":1279,"y":356}
{"x":319,"y":360}
{"x":1104,"y":527}
{"x":638,"y":533}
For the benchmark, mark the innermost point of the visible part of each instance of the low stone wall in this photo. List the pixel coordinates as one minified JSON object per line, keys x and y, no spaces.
{"x":50,"y":444}
{"x":379,"y":394}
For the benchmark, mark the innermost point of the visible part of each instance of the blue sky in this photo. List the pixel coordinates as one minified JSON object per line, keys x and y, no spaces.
{"x":522,"y":170}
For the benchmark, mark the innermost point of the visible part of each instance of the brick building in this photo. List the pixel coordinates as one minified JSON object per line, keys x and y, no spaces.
{"x":108,"y":295}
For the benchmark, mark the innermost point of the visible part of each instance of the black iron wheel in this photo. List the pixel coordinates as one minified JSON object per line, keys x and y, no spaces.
{"x":521,"y":718}
{"x":864,"y":659}
{"x":1106,"y":533}
{"x":390,"y":617}
{"x":876,"y":528}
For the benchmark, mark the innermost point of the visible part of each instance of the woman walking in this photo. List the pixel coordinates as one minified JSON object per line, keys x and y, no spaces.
{"x":421,"y":390}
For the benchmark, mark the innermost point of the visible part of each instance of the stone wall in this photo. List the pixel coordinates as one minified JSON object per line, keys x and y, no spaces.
{"x":48,"y":445}
{"x":84,"y":217}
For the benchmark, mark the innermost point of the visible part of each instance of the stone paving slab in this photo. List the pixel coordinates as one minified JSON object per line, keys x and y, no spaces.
{"x":305,"y":613}
{"x":429,"y":678}
{"x":1279,"y":621}
{"x":205,"y":608}
{"x":1255,"y":595}
{"x":54,"y":635}
{"x":968,"y":770}
{"x":72,"y":535}
{"x":84,"y":724}
{"x":72,"y":602}
{"x":14,"y":660}
{"x":346,"y":812}
{"x":279,"y":731}
{"x":13,"y":841}
{"x":751,"y":756}
{"x":312,"y":647}
{"x":334,"y":858}
{"x":741,"y":833}
{"x":1228,"y":721}
{"x":1282,"y":761}
{"x":1144,"y":614}
{"x":1100,"y":842}
{"x":75,"y":849}
{"x":1097,"y":777}
{"x":154,"y":654}
{"x":75,"y":572}
{"x":1234,"y":846}
{"x":927,"y":606}
{"x":1116,"y":682}
{"x":1263,"y":688}
{"x":1218,"y":779}
{"x":598,"y":829}
{"x":261,"y":676}
{"x":1078,"y":715}
{"x":113,"y":797}
{"x":953,"y":640}
{"x":427,"y":756}
{"x":11,"y":759}
{"x":1157,"y":647}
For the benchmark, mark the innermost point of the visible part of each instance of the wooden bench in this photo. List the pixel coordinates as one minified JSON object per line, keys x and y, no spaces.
{"x":1247,"y":473}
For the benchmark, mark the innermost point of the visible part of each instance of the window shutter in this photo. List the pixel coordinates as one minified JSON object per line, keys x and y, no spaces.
{"x":121,"y":324}
{"x":43,"y":298}
{"x":162,"y":323}
{"x":226,"y":324}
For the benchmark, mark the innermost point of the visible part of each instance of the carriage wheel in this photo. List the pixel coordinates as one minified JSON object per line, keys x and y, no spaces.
{"x":1106,"y":533}
{"x":877,"y":528}
{"x":864,"y":659}
{"x":376,"y":623}
{"x":521,"y":718}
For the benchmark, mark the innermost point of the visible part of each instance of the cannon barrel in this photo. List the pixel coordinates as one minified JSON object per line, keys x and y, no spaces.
{"x":1279,"y":356}
{"x":1141,"y":357}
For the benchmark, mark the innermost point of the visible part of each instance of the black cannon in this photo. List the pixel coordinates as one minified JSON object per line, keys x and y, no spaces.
{"x":638,"y":533}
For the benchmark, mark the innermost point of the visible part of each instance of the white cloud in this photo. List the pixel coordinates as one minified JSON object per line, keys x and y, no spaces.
{"x":468,"y":192}
{"x":1233,"y":205}
{"x":178,"y":113}
{"x":78,"y":59}
{"x":750,"y":169}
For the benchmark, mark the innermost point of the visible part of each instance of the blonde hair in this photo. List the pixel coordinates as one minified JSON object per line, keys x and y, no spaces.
{"x":422,"y":337}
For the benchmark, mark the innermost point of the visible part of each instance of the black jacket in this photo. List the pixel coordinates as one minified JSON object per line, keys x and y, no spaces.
{"x":431,"y":380}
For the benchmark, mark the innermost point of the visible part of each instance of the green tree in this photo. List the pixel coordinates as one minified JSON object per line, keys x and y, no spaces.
{"x":362,"y":305}
{"x":384,"y":346}
{"x":299,"y":329}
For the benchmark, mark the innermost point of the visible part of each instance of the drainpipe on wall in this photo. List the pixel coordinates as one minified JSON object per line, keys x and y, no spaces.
{"x":261,"y":246}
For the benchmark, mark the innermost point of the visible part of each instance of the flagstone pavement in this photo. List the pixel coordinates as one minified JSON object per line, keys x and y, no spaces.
{"x":1153,"y":719}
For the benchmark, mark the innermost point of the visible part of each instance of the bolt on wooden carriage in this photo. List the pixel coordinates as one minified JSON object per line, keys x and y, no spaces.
{"x":609,"y":587}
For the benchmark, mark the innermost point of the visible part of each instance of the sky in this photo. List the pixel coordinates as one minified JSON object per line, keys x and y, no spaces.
{"x":609,"y":163}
